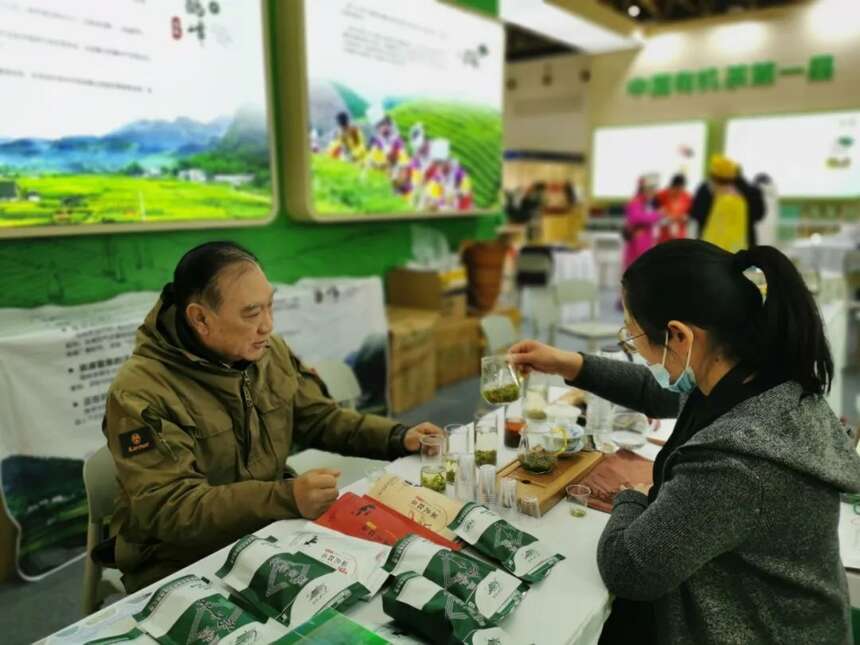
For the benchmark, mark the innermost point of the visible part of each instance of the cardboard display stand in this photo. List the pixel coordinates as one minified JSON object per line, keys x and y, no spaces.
{"x":411,"y":359}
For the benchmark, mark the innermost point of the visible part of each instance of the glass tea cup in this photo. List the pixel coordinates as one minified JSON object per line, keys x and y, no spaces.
{"x":514,"y":427}
{"x":539,"y":449}
{"x":486,"y":441}
{"x":536,"y":401}
{"x":500,"y":382}
{"x":459,"y":438}
{"x":433,"y":476}
{"x":577,"y":499}
{"x":432,"y":450}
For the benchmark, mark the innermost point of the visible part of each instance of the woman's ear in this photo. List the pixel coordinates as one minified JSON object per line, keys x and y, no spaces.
{"x":678,"y":331}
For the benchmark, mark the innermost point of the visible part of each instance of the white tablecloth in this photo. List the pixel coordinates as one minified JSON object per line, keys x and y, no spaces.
{"x":569,"y":607}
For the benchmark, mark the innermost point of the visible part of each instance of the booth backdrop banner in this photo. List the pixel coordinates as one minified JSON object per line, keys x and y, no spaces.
{"x":165,"y":116}
{"x":57,"y":363}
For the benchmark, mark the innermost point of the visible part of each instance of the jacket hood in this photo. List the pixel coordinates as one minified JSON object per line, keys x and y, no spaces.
{"x":158,"y":338}
{"x":783,"y":426}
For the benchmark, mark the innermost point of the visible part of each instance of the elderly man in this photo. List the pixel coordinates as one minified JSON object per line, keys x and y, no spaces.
{"x":201,"y":418}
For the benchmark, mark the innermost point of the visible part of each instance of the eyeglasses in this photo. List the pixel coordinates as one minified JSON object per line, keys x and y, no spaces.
{"x":625,"y":340}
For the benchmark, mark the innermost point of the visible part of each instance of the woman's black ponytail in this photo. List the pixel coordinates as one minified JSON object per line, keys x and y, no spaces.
{"x":780,"y":335}
{"x":788,"y":335}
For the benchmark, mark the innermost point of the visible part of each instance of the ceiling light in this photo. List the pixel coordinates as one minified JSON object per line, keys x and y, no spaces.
{"x":633,"y":11}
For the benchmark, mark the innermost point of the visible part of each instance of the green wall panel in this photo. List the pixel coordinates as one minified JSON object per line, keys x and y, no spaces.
{"x":76,"y":270}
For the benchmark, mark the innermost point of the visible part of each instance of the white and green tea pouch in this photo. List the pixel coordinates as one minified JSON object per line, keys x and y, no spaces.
{"x":443,"y":619}
{"x":487,"y":589}
{"x":519,"y":552}
{"x":288,"y":586}
{"x":360,"y":559}
{"x":191,"y":611}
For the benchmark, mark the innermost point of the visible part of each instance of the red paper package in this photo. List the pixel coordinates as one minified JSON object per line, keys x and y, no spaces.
{"x":365,"y":518}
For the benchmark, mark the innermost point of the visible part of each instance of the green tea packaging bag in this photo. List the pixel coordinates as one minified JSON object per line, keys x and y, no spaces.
{"x":330,"y":627}
{"x":289,"y":587}
{"x":490,"y":591}
{"x":361,"y":559}
{"x":427,"y":609}
{"x":519,"y":552}
{"x":191,"y":611}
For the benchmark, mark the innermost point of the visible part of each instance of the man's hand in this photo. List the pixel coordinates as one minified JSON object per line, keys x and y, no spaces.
{"x":314,"y":491}
{"x":412,"y":440}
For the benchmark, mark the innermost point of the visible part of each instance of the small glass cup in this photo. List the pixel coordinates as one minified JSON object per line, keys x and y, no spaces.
{"x":486,"y":441}
{"x":487,"y":485}
{"x":433,"y":477}
{"x":577,"y":499}
{"x":464,"y":487}
{"x":432,"y":450}
{"x":536,"y":401}
{"x":508,"y":495}
{"x":513,"y":429}
{"x":452,"y":460}
{"x":459,"y":438}
{"x":530,"y":506}
{"x":500,"y":383}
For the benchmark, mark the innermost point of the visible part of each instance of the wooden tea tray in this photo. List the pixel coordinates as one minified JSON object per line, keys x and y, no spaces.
{"x":549,"y":487}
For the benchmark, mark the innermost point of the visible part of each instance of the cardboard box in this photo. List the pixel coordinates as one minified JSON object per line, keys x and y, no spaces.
{"x":411,"y":357}
{"x":441,"y":291}
{"x":458,"y":349}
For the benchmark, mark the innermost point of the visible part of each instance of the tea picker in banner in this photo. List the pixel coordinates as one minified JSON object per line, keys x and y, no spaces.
{"x":386,"y":150}
{"x":347,"y":141}
{"x":448,"y":186}
{"x":201,"y":419}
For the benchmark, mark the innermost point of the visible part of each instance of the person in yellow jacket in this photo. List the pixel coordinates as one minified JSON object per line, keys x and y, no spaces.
{"x":727,"y":224}
{"x":201,"y":419}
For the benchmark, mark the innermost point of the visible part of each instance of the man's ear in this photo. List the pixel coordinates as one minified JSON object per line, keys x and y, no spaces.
{"x":198,"y":317}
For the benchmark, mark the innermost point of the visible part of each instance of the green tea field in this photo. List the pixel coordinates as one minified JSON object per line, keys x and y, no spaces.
{"x":105,"y":199}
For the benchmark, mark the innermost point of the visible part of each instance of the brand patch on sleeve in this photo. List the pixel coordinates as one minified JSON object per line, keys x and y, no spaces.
{"x":136,"y":442}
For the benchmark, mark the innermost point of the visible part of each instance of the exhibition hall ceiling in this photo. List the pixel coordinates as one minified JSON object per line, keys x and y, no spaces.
{"x":672,"y":10}
{"x":523,"y":44}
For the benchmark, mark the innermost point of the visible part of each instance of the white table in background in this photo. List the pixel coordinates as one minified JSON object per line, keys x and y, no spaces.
{"x":568,"y":264}
{"x":824,"y":253}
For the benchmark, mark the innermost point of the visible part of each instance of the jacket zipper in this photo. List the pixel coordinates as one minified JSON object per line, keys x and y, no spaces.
{"x":247,"y":399}
{"x":248,"y":402}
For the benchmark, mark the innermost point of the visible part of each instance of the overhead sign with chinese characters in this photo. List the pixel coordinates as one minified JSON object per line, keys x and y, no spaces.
{"x":758,"y":74}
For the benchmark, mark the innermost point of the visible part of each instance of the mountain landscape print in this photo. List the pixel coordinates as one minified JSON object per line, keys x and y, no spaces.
{"x":154,"y":171}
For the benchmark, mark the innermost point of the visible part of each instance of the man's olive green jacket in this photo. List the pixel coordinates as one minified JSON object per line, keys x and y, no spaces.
{"x":201,"y":447}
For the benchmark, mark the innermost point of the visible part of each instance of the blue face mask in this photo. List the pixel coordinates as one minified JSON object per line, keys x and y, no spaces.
{"x":685,"y":384}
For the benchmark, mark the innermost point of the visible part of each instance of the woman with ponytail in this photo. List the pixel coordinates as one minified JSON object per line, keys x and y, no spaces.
{"x":736,"y":541}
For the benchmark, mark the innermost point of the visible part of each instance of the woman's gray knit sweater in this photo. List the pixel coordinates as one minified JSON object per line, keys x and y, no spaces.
{"x":741,"y":543}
